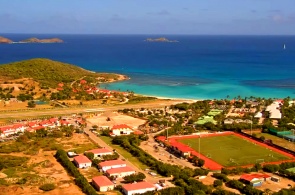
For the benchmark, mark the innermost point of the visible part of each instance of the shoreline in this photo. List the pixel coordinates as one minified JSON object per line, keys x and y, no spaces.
{"x":170,"y":98}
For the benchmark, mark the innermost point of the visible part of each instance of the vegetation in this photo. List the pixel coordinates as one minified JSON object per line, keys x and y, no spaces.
{"x":47,"y":187}
{"x":80,"y":180}
{"x":134,"y":177}
{"x":8,"y":161}
{"x":48,"y":72}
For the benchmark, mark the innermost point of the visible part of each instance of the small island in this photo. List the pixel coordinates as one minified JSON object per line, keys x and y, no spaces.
{"x":161,"y":39}
{"x":5,"y":40}
{"x":36,"y":40}
{"x":31,"y":40}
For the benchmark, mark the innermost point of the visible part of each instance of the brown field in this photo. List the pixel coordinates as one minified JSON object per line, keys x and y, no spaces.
{"x":43,"y":168}
{"x":116,"y":118}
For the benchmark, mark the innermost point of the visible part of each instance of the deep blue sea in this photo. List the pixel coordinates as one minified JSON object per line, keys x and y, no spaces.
{"x":196,"y":67}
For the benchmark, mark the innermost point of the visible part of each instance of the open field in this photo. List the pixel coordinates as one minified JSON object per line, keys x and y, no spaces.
{"x":38,"y":165}
{"x":231,"y":150}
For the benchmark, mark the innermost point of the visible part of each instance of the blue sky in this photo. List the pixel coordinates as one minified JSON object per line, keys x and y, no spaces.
{"x":273,"y":17}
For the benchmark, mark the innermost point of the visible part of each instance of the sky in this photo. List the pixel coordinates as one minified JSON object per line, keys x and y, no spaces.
{"x":197,"y":17}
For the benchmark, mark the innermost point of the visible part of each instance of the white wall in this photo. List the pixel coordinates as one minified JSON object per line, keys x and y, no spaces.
{"x":138,"y":191}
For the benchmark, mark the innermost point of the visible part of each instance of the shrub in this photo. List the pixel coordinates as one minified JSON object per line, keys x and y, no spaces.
{"x":217,"y":183}
{"x":47,"y":187}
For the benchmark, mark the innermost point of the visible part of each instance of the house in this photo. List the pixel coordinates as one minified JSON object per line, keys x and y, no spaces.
{"x":274,"y":112}
{"x":120,"y":172}
{"x":228,"y":121}
{"x":121,"y":129}
{"x":99,"y":152}
{"x":82,"y":161}
{"x":258,"y":115}
{"x":11,"y":129}
{"x":138,"y":188}
{"x":254,"y":180}
{"x":102,"y":183}
{"x":111,"y":164}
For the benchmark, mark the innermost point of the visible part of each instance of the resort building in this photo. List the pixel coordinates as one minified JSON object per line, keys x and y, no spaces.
{"x":122,"y":129}
{"x":11,"y":129}
{"x":102,"y":183}
{"x":120,"y":172}
{"x":138,"y":188}
{"x":82,"y":161}
{"x":254,"y":180}
{"x":111,"y":164}
{"x":99,"y":152}
{"x":274,"y":110}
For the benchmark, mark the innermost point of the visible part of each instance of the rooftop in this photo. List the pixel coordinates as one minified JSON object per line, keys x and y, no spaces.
{"x":102,"y":181}
{"x":120,"y":170}
{"x":99,"y":151}
{"x":82,"y":159}
{"x":138,"y":186}
{"x":112,"y":163}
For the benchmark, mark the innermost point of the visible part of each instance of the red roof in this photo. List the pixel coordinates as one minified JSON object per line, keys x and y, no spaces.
{"x":81,"y":159}
{"x":112,"y":163}
{"x":138,"y":132}
{"x":60,"y":84}
{"x":59,"y":88}
{"x":138,"y":186}
{"x":121,"y":126}
{"x":102,"y":181}
{"x":83,"y":81}
{"x":250,"y":177}
{"x":100,"y":151}
{"x":120,"y":170}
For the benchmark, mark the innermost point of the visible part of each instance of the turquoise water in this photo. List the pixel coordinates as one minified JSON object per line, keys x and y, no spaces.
{"x":197,"y":67}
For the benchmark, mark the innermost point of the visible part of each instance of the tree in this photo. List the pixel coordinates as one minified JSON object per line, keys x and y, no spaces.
{"x":31,"y":104}
{"x":200,"y":162}
{"x":134,"y":177}
{"x":217,"y":183}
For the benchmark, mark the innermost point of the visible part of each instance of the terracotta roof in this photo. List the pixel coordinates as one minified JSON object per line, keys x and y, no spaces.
{"x":120,"y":170}
{"x":138,"y":186}
{"x":100,"y":151}
{"x":138,"y":132}
{"x":81,"y":159}
{"x":250,"y":177}
{"x":112,"y":163}
{"x":102,"y":181}
{"x":121,"y":126}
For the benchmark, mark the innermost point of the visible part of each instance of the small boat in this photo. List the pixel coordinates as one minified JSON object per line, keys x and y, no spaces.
{"x":284,"y":46}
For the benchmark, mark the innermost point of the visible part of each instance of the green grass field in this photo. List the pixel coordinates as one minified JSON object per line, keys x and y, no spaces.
{"x":233,"y":151}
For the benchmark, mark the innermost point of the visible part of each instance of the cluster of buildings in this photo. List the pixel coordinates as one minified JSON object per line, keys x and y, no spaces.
{"x":112,"y":169}
{"x":84,"y":86}
{"x":33,"y":126}
{"x":230,"y":121}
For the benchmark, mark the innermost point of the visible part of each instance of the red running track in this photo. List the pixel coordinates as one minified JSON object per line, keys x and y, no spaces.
{"x":209,"y":163}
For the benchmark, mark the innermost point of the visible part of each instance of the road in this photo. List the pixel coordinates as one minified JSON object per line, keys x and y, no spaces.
{"x":20,"y":114}
{"x":101,"y":143}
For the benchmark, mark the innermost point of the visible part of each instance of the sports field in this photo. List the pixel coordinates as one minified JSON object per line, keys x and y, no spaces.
{"x":231,"y":150}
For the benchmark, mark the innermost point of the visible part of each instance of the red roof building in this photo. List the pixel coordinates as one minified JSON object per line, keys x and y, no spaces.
{"x":112,"y":164}
{"x":102,"y":183}
{"x":83,"y":81}
{"x":138,"y":188}
{"x":99,"y":152}
{"x":121,"y":129}
{"x":82,"y":161}
{"x":120,"y":172}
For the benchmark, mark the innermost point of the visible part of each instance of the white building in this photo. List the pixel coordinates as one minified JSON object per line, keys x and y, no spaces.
{"x":120,"y":172}
{"x":111,"y":164}
{"x":99,"y":152}
{"x":82,"y":161}
{"x":121,"y":129}
{"x":102,"y":183}
{"x":11,"y":129}
{"x":274,"y":110}
{"x":138,"y":188}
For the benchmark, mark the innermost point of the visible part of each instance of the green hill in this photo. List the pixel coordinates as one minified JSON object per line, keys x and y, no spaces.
{"x":48,"y":72}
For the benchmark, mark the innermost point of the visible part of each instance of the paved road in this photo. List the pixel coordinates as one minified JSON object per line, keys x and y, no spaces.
{"x":101,"y":143}
{"x":67,"y":111}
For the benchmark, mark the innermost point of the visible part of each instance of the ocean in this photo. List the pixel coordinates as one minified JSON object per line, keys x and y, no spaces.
{"x":196,"y":67}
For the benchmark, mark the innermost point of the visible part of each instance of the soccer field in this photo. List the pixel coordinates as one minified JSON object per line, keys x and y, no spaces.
{"x":231,"y":150}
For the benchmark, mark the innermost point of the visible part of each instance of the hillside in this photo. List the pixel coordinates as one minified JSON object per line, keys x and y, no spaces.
{"x":49,"y":73}
{"x":36,"y":40}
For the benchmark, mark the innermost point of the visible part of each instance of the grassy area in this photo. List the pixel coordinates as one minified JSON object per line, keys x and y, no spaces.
{"x":233,"y":151}
{"x":277,"y":140}
{"x":124,"y":153}
{"x":81,"y":148}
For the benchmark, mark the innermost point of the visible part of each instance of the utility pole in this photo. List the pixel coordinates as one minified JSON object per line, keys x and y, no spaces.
{"x":251,"y":123}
